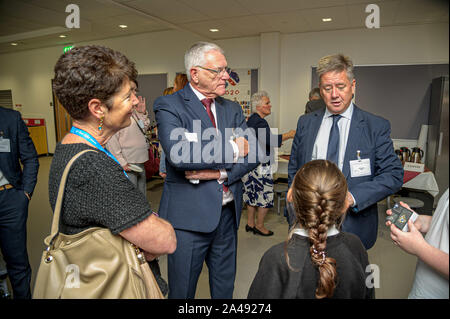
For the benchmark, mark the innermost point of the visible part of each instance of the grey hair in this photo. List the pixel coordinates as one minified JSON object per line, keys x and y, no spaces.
{"x":196,"y":55}
{"x":336,"y":62}
{"x":314,"y":92}
{"x":257,"y":98}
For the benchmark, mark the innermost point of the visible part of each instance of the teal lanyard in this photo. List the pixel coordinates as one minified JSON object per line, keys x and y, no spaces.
{"x":88,"y":137}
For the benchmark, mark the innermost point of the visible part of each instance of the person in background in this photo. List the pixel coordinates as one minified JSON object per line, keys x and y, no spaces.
{"x":357,"y":141}
{"x":202,"y":195}
{"x":431,"y":278}
{"x":16,"y":188}
{"x":314,"y":94}
{"x":168,"y":91}
{"x":315,"y":101}
{"x":258,"y":183}
{"x":130,"y":146}
{"x":317,"y":261}
{"x":95,"y":85}
{"x":179,"y":83}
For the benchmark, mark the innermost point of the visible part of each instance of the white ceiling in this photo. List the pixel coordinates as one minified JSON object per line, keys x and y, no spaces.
{"x":38,"y":23}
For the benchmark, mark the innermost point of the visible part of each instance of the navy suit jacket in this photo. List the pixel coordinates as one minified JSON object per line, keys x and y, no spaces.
{"x":13,"y":128}
{"x":369,"y":134}
{"x":197,"y":207}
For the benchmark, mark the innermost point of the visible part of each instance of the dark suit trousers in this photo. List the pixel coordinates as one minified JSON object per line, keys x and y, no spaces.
{"x":217,"y":249}
{"x":13,"y":240}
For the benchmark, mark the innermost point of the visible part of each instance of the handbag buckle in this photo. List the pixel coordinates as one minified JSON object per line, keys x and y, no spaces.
{"x":139,"y":254}
{"x":48,"y":257}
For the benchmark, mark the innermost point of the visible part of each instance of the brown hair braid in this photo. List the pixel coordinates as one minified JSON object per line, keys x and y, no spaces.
{"x":319,"y":191}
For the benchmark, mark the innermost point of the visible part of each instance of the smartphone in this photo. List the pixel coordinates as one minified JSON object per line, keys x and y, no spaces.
{"x":400,"y":216}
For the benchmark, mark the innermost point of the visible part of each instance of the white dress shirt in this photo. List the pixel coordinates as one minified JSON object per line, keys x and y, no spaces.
{"x":321,"y":144}
{"x":3,"y":180}
{"x":332,"y":231}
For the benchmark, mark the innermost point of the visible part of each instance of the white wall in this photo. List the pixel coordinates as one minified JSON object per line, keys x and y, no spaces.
{"x":269,"y":73}
{"x":28,"y":74}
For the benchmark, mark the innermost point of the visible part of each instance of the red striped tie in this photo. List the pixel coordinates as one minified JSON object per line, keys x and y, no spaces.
{"x":207,"y":103}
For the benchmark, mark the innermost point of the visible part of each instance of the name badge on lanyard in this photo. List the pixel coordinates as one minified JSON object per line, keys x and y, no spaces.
{"x":88,"y":137}
{"x":360,"y":167}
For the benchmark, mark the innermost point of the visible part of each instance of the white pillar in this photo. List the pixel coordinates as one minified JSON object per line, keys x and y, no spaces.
{"x":269,"y":73}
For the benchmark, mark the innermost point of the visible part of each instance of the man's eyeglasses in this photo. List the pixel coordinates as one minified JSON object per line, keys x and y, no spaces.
{"x":218,"y":72}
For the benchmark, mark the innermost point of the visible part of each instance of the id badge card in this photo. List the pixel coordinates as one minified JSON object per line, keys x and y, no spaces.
{"x":360,"y":167}
{"x":5,"y":145}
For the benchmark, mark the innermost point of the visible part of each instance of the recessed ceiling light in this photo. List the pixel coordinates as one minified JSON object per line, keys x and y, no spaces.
{"x":14,"y":43}
{"x":214,"y":30}
{"x":62,"y":36}
{"x":123,"y":26}
{"x":326,"y":19}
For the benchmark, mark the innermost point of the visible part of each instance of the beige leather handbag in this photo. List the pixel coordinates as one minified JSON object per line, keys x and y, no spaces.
{"x":91,"y":264}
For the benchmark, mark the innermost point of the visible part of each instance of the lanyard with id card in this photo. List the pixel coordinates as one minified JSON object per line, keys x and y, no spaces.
{"x":360,"y":167}
{"x":5,"y":144}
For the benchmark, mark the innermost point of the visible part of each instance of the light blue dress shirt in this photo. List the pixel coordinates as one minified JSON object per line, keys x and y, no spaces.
{"x":321,"y":143}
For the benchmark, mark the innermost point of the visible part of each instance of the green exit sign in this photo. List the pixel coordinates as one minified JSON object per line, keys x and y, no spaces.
{"x":67,"y":48}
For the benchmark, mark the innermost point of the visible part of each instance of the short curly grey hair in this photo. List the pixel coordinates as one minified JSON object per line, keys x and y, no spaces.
{"x":196,"y":55}
{"x":257,"y":99}
{"x":336,"y":62}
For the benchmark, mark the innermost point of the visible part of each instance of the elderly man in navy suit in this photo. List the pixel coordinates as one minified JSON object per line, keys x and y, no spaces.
{"x":356,"y":141}
{"x":16,"y":188}
{"x":206,"y":156}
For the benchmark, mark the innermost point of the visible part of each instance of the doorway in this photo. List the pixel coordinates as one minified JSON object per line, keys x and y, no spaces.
{"x":63,"y":121}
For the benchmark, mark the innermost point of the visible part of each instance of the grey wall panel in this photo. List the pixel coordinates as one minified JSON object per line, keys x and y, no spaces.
{"x":254,"y":82}
{"x":151,"y":86}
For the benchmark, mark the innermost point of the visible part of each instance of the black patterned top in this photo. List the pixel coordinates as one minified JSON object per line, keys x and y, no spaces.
{"x":97,"y":192}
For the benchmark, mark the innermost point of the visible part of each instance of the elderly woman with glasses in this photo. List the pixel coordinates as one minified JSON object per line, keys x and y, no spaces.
{"x":258,"y":184}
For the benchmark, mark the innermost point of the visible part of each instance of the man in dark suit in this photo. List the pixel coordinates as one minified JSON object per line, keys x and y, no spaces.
{"x":356,"y":141}
{"x":16,"y":188}
{"x":202,"y":195}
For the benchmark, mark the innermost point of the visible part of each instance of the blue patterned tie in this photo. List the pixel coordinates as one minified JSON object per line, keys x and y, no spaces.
{"x":333,"y":141}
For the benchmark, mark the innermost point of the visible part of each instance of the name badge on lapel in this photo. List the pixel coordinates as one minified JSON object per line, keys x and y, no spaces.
{"x":5,"y":145}
{"x":360,"y":167}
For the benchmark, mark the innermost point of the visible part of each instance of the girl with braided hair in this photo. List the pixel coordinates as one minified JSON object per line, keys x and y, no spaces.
{"x":318,"y":260}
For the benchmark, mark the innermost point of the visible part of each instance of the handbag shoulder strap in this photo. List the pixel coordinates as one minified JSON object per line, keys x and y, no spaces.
{"x":59,"y":198}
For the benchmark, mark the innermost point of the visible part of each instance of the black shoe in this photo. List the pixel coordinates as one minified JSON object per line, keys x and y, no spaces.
{"x":257,"y":231}
{"x":248,"y":228}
